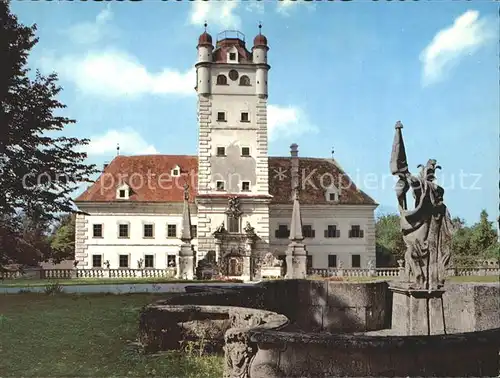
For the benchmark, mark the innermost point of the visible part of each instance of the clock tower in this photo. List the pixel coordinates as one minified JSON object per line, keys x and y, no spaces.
{"x":232,"y":88}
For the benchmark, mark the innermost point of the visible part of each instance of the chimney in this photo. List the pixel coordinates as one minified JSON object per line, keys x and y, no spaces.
{"x":294,"y":153}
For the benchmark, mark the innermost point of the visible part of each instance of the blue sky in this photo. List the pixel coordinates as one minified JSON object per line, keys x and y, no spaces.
{"x":342,"y":74}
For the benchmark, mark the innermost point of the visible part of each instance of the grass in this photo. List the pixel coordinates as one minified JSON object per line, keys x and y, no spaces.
{"x":474,"y":279}
{"x":98,"y":281}
{"x":85,"y":336}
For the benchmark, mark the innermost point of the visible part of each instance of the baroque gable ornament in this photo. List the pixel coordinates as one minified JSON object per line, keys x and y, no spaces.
{"x":233,"y":207}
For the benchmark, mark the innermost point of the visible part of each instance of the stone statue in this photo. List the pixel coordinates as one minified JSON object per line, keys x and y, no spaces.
{"x":370,"y":264}
{"x":220,"y":228}
{"x":268,"y":260}
{"x":249,"y":230}
{"x":233,"y":207}
{"x":427,"y":229}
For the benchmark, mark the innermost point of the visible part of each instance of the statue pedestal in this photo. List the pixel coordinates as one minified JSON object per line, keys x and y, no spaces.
{"x":186,"y":262}
{"x":417,"y":311}
{"x":271,"y":272}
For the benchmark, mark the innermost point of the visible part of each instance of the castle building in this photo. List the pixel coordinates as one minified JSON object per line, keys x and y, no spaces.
{"x":240,"y":198}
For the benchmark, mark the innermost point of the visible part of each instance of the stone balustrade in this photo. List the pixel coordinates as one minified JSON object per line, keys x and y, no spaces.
{"x":172,"y":272}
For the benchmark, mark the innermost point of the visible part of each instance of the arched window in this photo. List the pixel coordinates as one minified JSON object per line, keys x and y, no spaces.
{"x":221,"y":80}
{"x":245,"y":80}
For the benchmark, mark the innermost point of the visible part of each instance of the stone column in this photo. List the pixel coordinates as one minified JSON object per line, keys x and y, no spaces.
{"x":186,"y":252}
{"x":246,"y":259}
{"x":218,"y":251}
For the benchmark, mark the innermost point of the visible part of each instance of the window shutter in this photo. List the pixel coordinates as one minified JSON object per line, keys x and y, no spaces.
{"x":350,"y":233}
{"x":361,"y":233}
{"x":337,"y":233}
{"x":313,"y":233}
{"x":326,"y":233}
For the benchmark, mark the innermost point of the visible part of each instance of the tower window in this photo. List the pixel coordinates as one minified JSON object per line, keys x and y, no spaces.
{"x":220,"y":185}
{"x":245,"y":151}
{"x":244,"y":117}
{"x":221,"y":151}
{"x":221,"y":80}
{"x":245,"y":80}
{"x":221,"y":116}
{"x":245,"y":186}
{"x":232,"y":56}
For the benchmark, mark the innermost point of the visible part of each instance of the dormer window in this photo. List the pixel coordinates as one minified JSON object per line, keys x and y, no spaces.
{"x":232,"y":56}
{"x":332,"y":194}
{"x":123,"y":192}
{"x":176,"y":171}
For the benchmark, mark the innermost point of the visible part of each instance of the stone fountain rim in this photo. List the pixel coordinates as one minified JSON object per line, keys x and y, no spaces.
{"x":357,"y":340}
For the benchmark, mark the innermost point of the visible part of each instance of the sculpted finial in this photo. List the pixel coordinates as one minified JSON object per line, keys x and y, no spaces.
{"x":399,"y":125}
{"x":186,"y":192}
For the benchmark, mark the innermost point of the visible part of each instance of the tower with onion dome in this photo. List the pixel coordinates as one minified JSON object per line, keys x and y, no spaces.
{"x":232,"y":88}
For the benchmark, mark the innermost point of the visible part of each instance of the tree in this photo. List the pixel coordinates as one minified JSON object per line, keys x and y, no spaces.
{"x":483,"y":235}
{"x":390,"y":245}
{"x":38,"y":170}
{"x":63,"y":239}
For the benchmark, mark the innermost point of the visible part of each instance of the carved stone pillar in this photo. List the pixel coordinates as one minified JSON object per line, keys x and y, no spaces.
{"x":247,"y":256}
{"x":218,"y":251}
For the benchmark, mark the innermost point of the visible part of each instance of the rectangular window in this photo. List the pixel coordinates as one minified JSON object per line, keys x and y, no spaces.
{"x":122,"y":193}
{"x":332,"y":261}
{"x":282,"y":232}
{"x":244,"y":117}
{"x":97,"y":230}
{"x":149,"y":261}
{"x":332,"y":196}
{"x":194,"y":231}
{"x":245,"y":151}
{"x":332,"y":232}
{"x":96,"y":261}
{"x":123,"y":261}
{"x":356,"y":261}
{"x":232,"y":56}
{"x":221,"y":151}
{"x":233,"y":224}
{"x":148,"y":231}
{"x":172,"y":230}
{"x":123,"y":231}
{"x":245,"y":186}
{"x":171,"y":261}
{"x":221,"y":116}
{"x":220,"y":185}
{"x":309,"y":262}
{"x":356,"y":232}
{"x":308,"y":232}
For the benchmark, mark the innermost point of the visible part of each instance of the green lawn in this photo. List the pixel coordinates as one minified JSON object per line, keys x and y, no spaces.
{"x":85,"y":336}
{"x":96,"y":281}
{"x":474,"y":279}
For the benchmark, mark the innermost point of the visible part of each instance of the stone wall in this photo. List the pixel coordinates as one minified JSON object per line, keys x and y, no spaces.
{"x":314,"y":305}
{"x":471,"y":307}
{"x":290,"y":354}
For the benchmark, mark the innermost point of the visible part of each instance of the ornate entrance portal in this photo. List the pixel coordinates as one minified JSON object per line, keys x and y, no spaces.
{"x":234,"y":247}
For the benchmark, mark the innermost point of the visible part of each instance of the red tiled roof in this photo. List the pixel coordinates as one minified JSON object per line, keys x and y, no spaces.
{"x":150,"y":181}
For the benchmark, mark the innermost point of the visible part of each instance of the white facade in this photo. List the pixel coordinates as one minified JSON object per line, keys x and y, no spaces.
{"x":232,"y":162}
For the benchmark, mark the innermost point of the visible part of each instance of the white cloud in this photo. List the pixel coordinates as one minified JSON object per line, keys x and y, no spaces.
{"x":130,"y":141}
{"x":116,"y":74}
{"x":219,"y":13}
{"x":465,"y":36}
{"x":255,"y":6}
{"x":92,"y":32}
{"x":287,"y":121}
{"x":285,"y":6}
